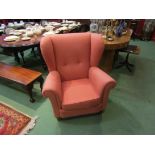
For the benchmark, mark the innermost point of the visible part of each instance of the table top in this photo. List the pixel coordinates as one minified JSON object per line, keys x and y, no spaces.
{"x":35,"y":40}
{"x":118,"y":42}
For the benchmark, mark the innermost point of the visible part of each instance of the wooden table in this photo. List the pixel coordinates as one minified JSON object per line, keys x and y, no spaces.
{"x":111,"y":47}
{"x":18,"y":47}
{"x":22,"y":76}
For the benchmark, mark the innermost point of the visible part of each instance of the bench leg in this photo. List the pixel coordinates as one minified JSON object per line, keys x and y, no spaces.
{"x":29,"y":90}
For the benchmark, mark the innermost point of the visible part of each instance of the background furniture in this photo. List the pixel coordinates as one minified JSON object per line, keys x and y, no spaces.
{"x":153,"y":35}
{"x":130,"y":49}
{"x":111,"y":47}
{"x":18,"y":47}
{"x":137,"y":27}
{"x":22,"y":76}
{"x":148,"y":29}
{"x":84,"y":24}
{"x":75,"y":85}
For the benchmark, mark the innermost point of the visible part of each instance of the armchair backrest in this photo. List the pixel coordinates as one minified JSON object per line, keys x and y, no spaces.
{"x":72,"y":54}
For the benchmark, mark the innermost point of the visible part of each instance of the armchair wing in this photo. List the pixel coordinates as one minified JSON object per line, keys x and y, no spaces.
{"x":52,"y":89}
{"x":102,"y":82}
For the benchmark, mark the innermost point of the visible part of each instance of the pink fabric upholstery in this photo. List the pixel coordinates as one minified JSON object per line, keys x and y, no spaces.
{"x":100,"y":79}
{"x":47,"y":46}
{"x":74,"y":55}
{"x":102,"y":82}
{"x":74,"y":99}
{"x":52,"y":87}
{"x":97,"y":47}
{"x":75,"y":86}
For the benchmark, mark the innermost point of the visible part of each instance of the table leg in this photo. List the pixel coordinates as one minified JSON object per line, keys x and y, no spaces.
{"x":115,"y":58}
{"x":108,"y":58}
{"x":17,"y":57}
{"x":41,"y":80}
{"x":41,"y":58}
{"x":29,"y":90}
{"x":22,"y":55}
{"x":33,"y":51}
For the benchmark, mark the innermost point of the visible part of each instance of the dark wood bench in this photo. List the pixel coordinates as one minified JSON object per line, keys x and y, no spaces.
{"x":22,"y":76}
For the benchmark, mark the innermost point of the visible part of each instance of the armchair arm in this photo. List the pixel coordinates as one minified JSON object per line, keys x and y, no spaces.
{"x":101,"y":81}
{"x":52,"y":85}
{"x":52,"y":89}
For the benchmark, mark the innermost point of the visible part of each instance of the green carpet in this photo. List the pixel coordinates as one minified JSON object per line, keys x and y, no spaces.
{"x":131,"y":108}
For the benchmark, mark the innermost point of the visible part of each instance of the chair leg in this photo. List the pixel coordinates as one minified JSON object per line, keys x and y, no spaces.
{"x":126,"y":63}
{"x":129,"y":69}
{"x":131,"y":65}
{"x":121,"y":64}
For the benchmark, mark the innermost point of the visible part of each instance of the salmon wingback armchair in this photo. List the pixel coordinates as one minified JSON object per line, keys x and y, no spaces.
{"x":75,"y":85}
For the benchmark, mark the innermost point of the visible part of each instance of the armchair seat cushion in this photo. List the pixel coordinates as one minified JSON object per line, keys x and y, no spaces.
{"x":79,"y":94}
